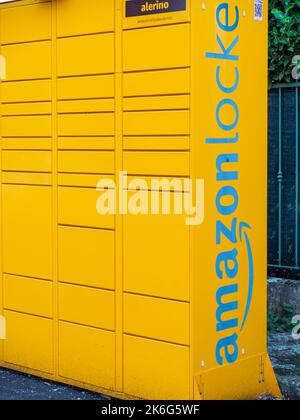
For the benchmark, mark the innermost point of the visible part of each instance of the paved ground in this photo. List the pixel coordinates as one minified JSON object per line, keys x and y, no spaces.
{"x":284,"y":351}
{"x":15,"y":386}
{"x":285,"y":356}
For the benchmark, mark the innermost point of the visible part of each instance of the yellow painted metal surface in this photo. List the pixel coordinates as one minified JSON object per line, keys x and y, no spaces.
{"x":139,"y":306}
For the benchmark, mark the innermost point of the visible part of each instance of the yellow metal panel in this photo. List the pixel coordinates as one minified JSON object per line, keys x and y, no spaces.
{"x":87,"y":306}
{"x":74,"y":19}
{"x":26,"y":178}
{"x":81,"y":180}
{"x":30,"y":161}
{"x":156,"y":143}
{"x":157,"y":103}
{"x":86,"y":257}
{"x":26,"y":143}
{"x":22,"y":347}
{"x":160,"y":319}
{"x":77,"y":206}
{"x":248,"y":145}
{"x":86,"y":143}
{"x":157,"y":123}
{"x":172,"y":52}
{"x":163,"y":82}
{"x":157,"y":163}
{"x":27,"y":231}
{"x":86,"y":162}
{"x":87,"y":355}
{"x":155,"y":370}
{"x":85,"y":55}
{"x":164,"y":184}
{"x":86,"y":124}
{"x":157,"y":268}
{"x":26,"y":109}
{"x":26,"y":23}
{"x":28,"y":126}
{"x":100,"y":105}
{"x":29,"y":91}
{"x":37,"y":57}
{"x":241,"y":381}
{"x":86,"y":87}
{"x":27,"y":295}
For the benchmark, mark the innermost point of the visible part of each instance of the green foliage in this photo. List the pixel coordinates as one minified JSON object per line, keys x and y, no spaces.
{"x":284,"y":39}
{"x":282,"y":323}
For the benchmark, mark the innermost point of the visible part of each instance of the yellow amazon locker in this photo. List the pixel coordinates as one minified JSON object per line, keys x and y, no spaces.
{"x":135,"y":305}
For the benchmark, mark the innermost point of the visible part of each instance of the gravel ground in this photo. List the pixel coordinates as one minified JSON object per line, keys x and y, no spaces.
{"x":284,"y":352}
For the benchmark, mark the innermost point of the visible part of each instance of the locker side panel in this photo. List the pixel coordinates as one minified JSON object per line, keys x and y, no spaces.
{"x":230,"y":144}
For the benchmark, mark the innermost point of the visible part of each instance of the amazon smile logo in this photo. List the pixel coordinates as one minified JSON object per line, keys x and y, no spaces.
{"x":234,"y":273}
{"x":244,"y":237}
